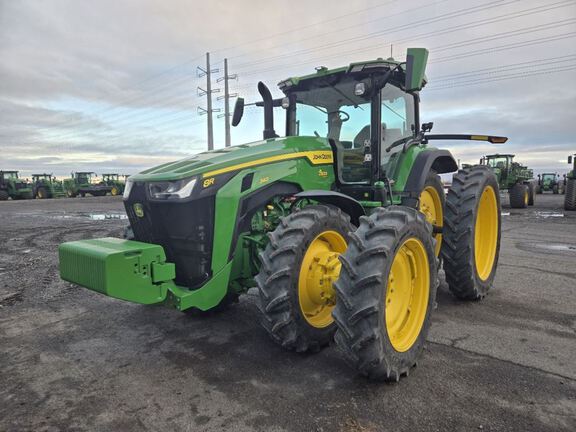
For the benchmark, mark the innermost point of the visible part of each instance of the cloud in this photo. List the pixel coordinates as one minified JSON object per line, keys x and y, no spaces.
{"x":113,"y":84}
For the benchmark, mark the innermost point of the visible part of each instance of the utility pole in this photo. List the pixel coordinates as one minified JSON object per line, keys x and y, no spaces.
{"x":200,"y":72}
{"x":226,"y":98}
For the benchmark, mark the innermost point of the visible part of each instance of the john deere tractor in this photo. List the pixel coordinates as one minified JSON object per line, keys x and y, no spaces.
{"x":514,"y":177}
{"x":548,"y":182}
{"x":46,"y":186}
{"x":116,"y":183}
{"x":12,"y":186}
{"x":81,"y":183}
{"x":340,"y":223}
{"x":570,"y":188}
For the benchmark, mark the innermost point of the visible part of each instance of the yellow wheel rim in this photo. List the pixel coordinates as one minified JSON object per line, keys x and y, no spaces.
{"x":431,"y":206}
{"x":486,"y":233}
{"x":114,"y":191}
{"x":320,"y":268}
{"x":40,"y":194}
{"x":407,"y":294}
{"x":526,"y":198}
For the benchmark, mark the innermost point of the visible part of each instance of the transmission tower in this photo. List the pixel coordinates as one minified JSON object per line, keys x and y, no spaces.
{"x":226,"y":98}
{"x":201,"y":72}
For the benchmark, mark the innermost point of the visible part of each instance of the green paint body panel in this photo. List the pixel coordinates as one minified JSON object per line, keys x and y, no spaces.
{"x":208,"y":161}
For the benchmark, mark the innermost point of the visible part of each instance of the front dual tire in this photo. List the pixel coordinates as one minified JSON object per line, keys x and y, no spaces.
{"x":298,"y":268}
{"x":386,"y":292}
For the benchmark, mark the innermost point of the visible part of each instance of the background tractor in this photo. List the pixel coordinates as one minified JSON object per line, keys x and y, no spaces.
{"x":340,"y":223}
{"x":548,"y":182}
{"x":117,"y":183}
{"x":46,"y":186}
{"x":81,"y":183}
{"x":12,"y":186}
{"x":517,"y":179}
{"x":570,"y":189}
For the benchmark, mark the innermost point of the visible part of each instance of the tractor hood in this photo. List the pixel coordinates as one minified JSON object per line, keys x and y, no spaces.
{"x":239,"y":157}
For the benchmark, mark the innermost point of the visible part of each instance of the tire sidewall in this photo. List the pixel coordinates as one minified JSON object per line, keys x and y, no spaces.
{"x":407,"y":359}
{"x":321,"y":225}
{"x":484,"y":285}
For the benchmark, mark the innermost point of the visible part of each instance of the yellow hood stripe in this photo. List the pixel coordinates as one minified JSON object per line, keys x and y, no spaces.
{"x":315,"y":157}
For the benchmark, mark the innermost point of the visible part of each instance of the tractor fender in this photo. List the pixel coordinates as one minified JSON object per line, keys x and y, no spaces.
{"x":346,"y":203}
{"x":440,"y":161}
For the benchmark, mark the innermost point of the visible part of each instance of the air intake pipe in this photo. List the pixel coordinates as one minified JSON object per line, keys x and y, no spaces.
{"x":268,"y":103}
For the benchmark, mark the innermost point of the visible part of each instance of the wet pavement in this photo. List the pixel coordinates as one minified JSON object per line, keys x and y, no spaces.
{"x":71,"y":359}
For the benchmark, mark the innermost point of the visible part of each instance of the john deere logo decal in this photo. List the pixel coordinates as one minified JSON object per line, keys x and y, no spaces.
{"x":139,"y":210}
{"x":322,"y":173}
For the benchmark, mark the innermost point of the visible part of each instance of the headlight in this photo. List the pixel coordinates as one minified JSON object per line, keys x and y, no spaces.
{"x":169,"y":190}
{"x":127,"y":189}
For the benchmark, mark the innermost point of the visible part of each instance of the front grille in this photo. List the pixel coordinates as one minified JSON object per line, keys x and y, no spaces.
{"x":184,"y":229}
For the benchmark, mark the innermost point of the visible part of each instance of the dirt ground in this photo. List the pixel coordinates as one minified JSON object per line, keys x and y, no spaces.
{"x":71,"y":359}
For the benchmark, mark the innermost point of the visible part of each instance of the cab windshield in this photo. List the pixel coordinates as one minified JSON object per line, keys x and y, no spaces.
{"x":498,"y":162}
{"x":337,"y":113}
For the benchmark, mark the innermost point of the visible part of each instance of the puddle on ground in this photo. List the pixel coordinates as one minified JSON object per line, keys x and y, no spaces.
{"x":544,"y":214}
{"x":106,"y":216}
{"x":558,"y":248}
{"x":93,"y":216}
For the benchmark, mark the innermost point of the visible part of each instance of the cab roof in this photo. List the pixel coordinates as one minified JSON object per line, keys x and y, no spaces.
{"x":356,"y":67}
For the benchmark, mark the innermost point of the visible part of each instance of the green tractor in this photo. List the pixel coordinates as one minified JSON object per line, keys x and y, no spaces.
{"x":81,"y":183}
{"x":517,"y":179}
{"x":46,"y":186}
{"x":570,"y":185}
{"x":340,"y":224}
{"x":548,"y":182}
{"x":116,"y":182}
{"x":12,"y":186}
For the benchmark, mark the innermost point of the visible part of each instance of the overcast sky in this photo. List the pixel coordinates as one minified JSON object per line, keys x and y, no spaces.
{"x":111,"y":85}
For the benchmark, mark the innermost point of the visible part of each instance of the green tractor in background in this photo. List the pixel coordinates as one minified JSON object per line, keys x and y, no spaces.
{"x":340,"y":224}
{"x":570,"y":188}
{"x":517,"y":179}
{"x":12,"y":186}
{"x":548,"y":182}
{"x":46,"y":186}
{"x":81,"y":183}
{"x":116,"y":183}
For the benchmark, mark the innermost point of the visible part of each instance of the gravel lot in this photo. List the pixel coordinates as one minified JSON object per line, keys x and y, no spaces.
{"x":71,"y":359}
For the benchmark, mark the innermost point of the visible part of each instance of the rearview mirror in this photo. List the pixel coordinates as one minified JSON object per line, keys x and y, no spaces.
{"x":416,"y":59}
{"x":238,"y":111}
{"x":569,"y":159}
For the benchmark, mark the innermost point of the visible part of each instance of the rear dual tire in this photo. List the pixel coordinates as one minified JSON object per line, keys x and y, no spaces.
{"x":472,"y":229}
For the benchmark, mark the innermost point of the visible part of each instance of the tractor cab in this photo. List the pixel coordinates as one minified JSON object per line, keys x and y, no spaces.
{"x":548,"y":178}
{"x":83,"y":177}
{"x":108,"y":178}
{"x":9,"y":175}
{"x":368,"y":112}
{"x":49,"y":178}
{"x":500,"y":163}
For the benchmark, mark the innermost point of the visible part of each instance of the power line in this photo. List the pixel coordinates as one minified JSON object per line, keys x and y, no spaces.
{"x":390,"y":30}
{"x":473,"y":24}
